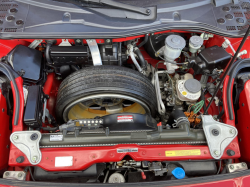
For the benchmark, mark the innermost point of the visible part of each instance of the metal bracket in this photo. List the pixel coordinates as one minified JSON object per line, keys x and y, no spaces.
{"x":16,"y":175}
{"x":97,"y":61}
{"x":28,"y":143}
{"x":218,"y":135}
{"x":237,"y":167}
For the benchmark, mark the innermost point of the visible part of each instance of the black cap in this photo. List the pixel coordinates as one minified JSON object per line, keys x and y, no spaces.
{"x":230,"y":152}
{"x":20,"y":159}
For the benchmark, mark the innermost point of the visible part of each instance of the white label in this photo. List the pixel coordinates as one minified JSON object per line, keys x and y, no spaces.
{"x":127,"y":150}
{"x":64,"y":161}
{"x":56,"y":138}
{"x":127,"y":118}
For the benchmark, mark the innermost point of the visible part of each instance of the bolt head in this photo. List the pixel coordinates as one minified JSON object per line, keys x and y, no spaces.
{"x":243,"y":164}
{"x":15,"y":137}
{"x":7,"y":173}
{"x":34,"y":158}
{"x":78,"y":41}
{"x":108,"y":40}
{"x":20,"y":175}
{"x":216,"y":152}
{"x":232,"y":131}
{"x":231,"y":167}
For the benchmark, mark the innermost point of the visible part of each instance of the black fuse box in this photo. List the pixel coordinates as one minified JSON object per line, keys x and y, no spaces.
{"x":34,"y":107}
{"x":211,"y":58}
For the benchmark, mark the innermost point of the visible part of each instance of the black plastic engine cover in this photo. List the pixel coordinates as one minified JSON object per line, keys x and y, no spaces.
{"x":26,"y":62}
{"x":129,"y":121}
{"x":211,"y":58}
{"x":34,"y":107}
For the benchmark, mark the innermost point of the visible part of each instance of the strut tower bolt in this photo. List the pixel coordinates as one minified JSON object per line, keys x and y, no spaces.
{"x":15,"y":137}
{"x":34,"y":158}
{"x":231,"y":167}
{"x":232,"y":131}
{"x":216,"y":152}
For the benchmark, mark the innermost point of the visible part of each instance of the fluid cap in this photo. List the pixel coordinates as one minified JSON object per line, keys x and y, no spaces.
{"x":196,"y":41}
{"x":192,"y":85}
{"x":175,"y":42}
{"x":178,"y":173}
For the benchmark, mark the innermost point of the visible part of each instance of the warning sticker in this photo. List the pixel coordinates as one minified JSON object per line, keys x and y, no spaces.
{"x":127,"y":150}
{"x":183,"y":152}
{"x":56,"y":138}
{"x":128,"y":118}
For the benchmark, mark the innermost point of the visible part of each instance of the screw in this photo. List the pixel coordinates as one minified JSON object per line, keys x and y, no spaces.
{"x":243,"y":104}
{"x":34,"y":158}
{"x":78,"y":41}
{"x":20,"y":175}
{"x":243,"y":164}
{"x":7,"y":173}
{"x":108,"y":40}
{"x":232,"y":131}
{"x":215,"y":132}
{"x":3,"y":110}
{"x":15,"y":137}
{"x":231,"y":167}
{"x":216,"y":152}
{"x":148,"y":11}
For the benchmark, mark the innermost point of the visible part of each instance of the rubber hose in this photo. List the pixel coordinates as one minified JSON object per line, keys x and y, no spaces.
{"x":142,"y":61}
{"x":47,"y":55}
{"x":229,"y":161}
{"x":240,"y":65}
{"x":144,"y":41}
{"x":221,"y":113}
{"x":12,"y":79}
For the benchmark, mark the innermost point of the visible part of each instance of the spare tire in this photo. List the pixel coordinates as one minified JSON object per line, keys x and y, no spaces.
{"x":109,"y":80}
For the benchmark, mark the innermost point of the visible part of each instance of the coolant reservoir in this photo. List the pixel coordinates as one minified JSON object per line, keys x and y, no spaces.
{"x":188,"y":90}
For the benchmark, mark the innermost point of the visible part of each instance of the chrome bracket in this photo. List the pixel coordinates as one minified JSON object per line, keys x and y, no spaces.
{"x":218,"y":135}
{"x":15,"y":175}
{"x":95,"y":53}
{"x":28,"y":143}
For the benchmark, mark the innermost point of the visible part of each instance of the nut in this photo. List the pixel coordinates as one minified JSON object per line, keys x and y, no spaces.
{"x":231,"y":167}
{"x":232,"y":131}
{"x":34,"y":158}
{"x":15,"y":137}
{"x":216,"y":152}
{"x":20,"y":175}
{"x":243,"y":164}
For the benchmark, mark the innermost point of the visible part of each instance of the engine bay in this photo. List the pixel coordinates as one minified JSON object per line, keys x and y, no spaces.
{"x":142,"y":108}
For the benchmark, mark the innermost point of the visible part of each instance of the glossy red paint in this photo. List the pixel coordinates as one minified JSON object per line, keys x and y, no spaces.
{"x":83,"y":157}
{"x":4,"y":133}
{"x":243,"y":125}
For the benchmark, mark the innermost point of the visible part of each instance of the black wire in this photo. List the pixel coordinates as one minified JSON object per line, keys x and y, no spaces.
{"x":219,"y":168}
{"x":31,"y":174}
{"x":228,"y":68}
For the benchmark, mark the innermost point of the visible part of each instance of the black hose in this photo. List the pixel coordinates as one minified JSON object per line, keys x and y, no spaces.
{"x":142,"y":61}
{"x":203,"y":98}
{"x":47,"y":55}
{"x":234,"y":71}
{"x":221,"y":113}
{"x":228,"y":68}
{"x":8,"y":73}
{"x":50,"y":128}
{"x":229,"y":161}
{"x":32,"y":177}
{"x":144,"y":41}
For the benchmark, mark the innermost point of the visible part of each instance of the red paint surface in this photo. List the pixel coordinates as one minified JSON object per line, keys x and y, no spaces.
{"x":4,"y":133}
{"x":84,"y":157}
{"x":243,"y":125}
